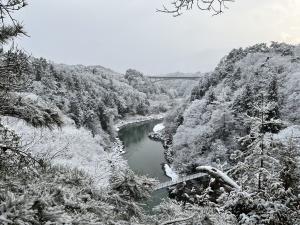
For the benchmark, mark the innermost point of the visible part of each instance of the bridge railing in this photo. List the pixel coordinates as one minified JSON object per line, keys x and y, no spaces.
{"x":172,"y":78}
{"x":179,"y":180}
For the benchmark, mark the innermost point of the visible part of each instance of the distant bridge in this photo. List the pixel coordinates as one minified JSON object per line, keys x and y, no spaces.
{"x":179,"y":180}
{"x":162,"y":78}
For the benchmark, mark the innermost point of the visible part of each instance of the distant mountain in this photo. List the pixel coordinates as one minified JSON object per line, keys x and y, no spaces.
{"x":96,"y":69}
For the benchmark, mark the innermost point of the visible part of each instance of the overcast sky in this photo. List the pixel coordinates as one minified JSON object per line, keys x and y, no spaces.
{"x":122,"y":34}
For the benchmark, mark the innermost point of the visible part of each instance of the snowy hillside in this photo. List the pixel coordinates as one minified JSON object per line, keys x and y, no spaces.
{"x":243,"y":119}
{"x":89,"y":99}
{"x":85,"y":145}
{"x":216,"y":116}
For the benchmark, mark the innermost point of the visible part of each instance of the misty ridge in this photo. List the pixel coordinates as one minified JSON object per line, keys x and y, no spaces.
{"x":97,"y":127}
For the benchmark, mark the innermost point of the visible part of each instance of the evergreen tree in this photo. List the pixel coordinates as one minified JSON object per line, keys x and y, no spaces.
{"x":257,"y":156}
{"x":14,"y":73}
{"x":211,"y":97}
{"x":244,"y":102}
{"x":40,"y":66}
{"x":290,"y":173}
{"x":75,"y":112}
{"x":273,"y":112}
{"x":10,"y":27}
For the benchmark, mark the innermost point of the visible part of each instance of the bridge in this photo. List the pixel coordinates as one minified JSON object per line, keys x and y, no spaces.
{"x":162,"y":78}
{"x":179,"y":180}
{"x":204,"y":171}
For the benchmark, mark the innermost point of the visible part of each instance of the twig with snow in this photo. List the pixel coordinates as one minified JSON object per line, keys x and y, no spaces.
{"x":178,"y":220}
{"x":219,"y":175}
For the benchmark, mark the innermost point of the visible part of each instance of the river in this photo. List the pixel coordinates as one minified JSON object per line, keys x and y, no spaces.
{"x":145,"y":156}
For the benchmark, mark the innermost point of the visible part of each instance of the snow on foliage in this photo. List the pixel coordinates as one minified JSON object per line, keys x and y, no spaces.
{"x":243,"y":118}
{"x":94,"y":97}
{"x":216,"y":113}
{"x":173,"y":212}
{"x":68,"y":146}
{"x":218,"y":174}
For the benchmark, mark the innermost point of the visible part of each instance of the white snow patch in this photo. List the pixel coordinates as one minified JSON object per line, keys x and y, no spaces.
{"x":137,"y":119}
{"x":71,"y":147}
{"x":170,"y":172}
{"x":118,"y":146}
{"x":158,"y":127}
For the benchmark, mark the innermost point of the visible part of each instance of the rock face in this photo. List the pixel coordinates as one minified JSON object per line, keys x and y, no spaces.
{"x":156,"y":136}
{"x":159,"y":134}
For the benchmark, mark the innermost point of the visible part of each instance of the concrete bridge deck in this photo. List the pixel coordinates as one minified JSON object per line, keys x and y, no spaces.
{"x":161,"y":78}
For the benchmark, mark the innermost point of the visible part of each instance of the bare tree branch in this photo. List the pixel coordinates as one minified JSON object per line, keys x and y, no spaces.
{"x":178,"y":6}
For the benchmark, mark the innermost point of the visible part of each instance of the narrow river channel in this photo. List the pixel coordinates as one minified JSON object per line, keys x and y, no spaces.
{"x":145,"y":156}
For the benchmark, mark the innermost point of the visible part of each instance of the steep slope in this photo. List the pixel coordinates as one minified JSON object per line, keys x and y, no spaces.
{"x":88,"y":99}
{"x":208,"y":128}
{"x":92,"y":96}
{"x":242,"y":124}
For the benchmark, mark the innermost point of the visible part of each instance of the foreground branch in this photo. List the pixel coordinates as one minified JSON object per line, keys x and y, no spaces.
{"x":217,"y":174}
{"x":10,"y":27}
{"x":215,"y":6}
{"x":178,"y":220}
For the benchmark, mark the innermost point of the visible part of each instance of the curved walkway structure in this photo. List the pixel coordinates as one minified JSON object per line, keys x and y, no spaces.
{"x":179,"y":180}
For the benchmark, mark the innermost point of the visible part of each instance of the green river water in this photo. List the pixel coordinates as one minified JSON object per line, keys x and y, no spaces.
{"x":145,"y":156}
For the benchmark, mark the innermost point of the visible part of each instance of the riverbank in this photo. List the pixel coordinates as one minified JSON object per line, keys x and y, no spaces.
{"x":117,"y":145}
{"x":159,"y":135}
{"x":137,"y":119}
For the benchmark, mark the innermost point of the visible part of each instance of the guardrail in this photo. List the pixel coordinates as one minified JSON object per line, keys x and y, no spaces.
{"x":179,"y":180}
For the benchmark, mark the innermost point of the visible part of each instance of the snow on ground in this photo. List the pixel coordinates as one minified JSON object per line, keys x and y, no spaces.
{"x":137,"y":119}
{"x":158,"y":127}
{"x":170,"y":172}
{"x":75,"y":148}
{"x":69,"y":146}
{"x":118,"y":146}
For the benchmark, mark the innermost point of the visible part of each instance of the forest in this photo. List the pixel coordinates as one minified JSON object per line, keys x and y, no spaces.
{"x":60,"y":157}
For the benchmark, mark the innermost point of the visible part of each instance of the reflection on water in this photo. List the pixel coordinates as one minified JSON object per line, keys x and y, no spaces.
{"x":134,"y":133}
{"x":145,"y":157}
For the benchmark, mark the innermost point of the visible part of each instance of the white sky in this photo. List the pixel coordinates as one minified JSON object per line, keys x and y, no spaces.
{"x":122,"y":34}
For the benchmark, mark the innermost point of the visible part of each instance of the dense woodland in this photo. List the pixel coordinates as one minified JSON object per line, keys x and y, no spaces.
{"x":95,"y":96}
{"x":243,"y":119}
{"x":57,"y":159}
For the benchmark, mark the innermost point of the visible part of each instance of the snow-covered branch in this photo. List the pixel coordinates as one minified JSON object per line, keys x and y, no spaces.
{"x":178,"y":220}
{"x":218,"y":175}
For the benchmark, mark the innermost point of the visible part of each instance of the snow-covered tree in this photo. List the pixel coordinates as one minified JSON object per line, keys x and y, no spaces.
{"x":244,"y":102}
{"x":258,"y":159}
{"x":130,"y":190}
{"x":289,"y":157}
{"x":250,"y":148}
